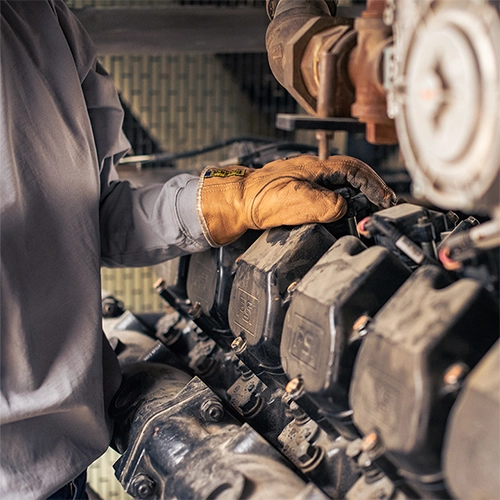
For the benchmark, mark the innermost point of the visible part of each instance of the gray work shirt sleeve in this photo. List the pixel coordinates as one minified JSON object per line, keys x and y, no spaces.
{"x":150,"y":224}
{"x":139,"y":226}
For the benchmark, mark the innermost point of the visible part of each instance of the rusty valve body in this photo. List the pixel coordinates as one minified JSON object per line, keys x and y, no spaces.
{"x":331,"y":68}
{"x":366,"y":73}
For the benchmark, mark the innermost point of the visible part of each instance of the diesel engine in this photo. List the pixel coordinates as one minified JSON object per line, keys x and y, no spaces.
{"x":353,"y":360}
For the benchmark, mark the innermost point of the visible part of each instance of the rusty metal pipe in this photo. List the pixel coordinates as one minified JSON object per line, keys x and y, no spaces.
{"x":289,"y":16}
{"x":294,"y":23}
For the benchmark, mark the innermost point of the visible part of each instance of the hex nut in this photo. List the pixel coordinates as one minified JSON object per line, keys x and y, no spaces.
{"x":143,"y":486}
{"x":295,"y":388}
{"x":309,"y":456}
{"x":211,"y":410}
{"x":195,"y":311}
{"x":238,"y":345}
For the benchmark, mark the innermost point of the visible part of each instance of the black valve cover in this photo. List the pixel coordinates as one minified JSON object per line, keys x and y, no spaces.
{"x":174,"y":273}
{"x":210,"y":276}
{"x":399,"y":385}
{"x":280,"y":257}
{"x":318,"y":342}
{"x":472,"y":446}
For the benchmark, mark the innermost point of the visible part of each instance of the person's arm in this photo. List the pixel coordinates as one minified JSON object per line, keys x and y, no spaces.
{"x":143,"y":226}
{"x":150,"y":224}
{"x":138,"y":226}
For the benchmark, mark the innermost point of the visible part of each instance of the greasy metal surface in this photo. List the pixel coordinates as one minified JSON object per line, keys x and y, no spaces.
{"x":415,"y":357}
{"x":210,"y":276}
{"x":319,"y":341}
{"x":320,"y":455}
{"x":293,"y":26}
{"x":171,"y":438}
{"x":319,"y":60}
{"x":278,"y":258}
{"x":324,"y":69}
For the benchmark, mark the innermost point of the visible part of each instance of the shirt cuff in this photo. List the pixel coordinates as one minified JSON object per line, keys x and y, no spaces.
{"x":186,"y":213}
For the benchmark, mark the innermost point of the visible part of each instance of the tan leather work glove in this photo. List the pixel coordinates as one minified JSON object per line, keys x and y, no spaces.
{"x":293,"y":191}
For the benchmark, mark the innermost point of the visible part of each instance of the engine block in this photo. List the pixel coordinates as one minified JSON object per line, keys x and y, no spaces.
{"x":301,"y":364}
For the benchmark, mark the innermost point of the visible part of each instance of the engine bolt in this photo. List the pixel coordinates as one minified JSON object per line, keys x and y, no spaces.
{"x":309,"y":456}
{"x":455,"y":373}
{"x":143,"y":486}
{"x":361,"y":325}
{"x":295,"y":388}
{"x":238,"y":345}
{"x":195,"y":311}
{"x":370,"y":442}
{"x":212,"y":410}
{"x":111,"y":308}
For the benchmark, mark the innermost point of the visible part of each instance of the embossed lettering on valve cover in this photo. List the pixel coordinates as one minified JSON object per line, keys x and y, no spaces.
{"x":306,"y":341}
{"x":201,"y":281}
{"x":247,"y":309}
{"x":383,"y":396}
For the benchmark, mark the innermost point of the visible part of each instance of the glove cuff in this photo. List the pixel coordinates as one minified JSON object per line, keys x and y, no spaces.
{"x":199,"y":212}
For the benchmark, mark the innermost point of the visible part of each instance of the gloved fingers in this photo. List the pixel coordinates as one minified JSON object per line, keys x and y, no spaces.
{"x":290,"y":201}
{"x":347,"y":170}
{"x":336,"y":171}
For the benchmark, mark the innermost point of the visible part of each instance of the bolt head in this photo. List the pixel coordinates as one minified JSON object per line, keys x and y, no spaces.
{"x":143,"y":486}
{"x":295,"y":387}
{"x":455,"y":373}
{"x":370,"y":442}
{"x":239,"y":344}
{"x":212,"y":410}
{"x":361,"y":324}
{"x":309,"y":456}
{"x":195,"y":311}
